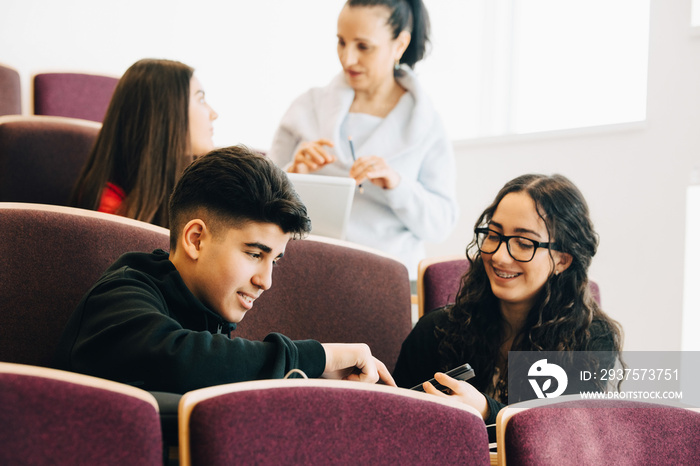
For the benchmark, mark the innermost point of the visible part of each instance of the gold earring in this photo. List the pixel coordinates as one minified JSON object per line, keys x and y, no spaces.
{"x":397,"y":65}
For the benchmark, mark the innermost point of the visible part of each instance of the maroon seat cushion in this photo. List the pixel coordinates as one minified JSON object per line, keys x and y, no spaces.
{"x":52,"y":261}
{"x":41,"y":158}
{"x":604,"y":432}
{"x":320,"y":425}
{"x":10,"y":92}
{"x":46,"y":421}
{"x":74,"y":95}
{"x":441,"y":282}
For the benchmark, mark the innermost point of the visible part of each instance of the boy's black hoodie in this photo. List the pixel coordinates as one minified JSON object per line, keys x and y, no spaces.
{"x":141,"y":325}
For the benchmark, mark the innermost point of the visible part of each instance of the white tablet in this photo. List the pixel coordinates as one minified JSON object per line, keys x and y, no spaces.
{"x":328,"y":200}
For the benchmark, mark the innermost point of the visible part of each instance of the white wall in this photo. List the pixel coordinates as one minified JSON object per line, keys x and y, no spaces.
{"x":634,"y":177}
{"x":250,"y":56}
{"x":691,"y":292}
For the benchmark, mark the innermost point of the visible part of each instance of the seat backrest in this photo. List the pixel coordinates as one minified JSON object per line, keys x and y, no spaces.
{"x":439,"y":279}
{"x":49,"y":260}
{"x":75,"y":95}
{"x":598,"y":432}
{"x":41,"y":157}
{"x":326,"y":422}
{"x":335,"y":294}
{"x":56,"y":417}
{"x":10,"y":91}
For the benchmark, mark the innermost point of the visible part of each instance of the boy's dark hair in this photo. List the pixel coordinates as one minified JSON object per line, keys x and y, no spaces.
{"x":232,"y":186}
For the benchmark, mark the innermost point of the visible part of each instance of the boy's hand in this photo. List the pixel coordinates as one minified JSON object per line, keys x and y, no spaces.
{"x":354,"y":361}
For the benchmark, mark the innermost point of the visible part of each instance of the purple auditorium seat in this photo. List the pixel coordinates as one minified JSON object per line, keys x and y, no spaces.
{"x":438,"y":281}
{"x":55,"y":256}
{"x":41,"y":157}
{"x":74,"y":95}
{"x":588,"y":432}
{"x":10,"y":91}
{"x":57,"y":417}
{"x":335,"y":293}
{"x":326,"y":422}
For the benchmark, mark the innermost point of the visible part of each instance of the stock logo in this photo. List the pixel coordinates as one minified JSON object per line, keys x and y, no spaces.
{"x":544,"y":372}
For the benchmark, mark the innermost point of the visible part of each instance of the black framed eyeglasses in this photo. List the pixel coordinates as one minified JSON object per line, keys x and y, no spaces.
{"x":520,"y":248}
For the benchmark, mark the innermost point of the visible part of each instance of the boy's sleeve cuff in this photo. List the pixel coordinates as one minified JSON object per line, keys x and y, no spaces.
{"x":312,"y":357}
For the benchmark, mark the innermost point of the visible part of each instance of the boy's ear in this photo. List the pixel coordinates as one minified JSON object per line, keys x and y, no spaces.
{"x":191,"y":240}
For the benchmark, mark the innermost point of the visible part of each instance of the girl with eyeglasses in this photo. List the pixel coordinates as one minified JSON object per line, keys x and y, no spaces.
{"x":526,"y":289}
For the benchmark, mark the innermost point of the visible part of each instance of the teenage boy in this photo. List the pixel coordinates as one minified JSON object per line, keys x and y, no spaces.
{"x":162,"y":321}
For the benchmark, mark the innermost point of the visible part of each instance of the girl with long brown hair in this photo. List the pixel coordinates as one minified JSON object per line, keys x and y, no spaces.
{"x":156,"y":122}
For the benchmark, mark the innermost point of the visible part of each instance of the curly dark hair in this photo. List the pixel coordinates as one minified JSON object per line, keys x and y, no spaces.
{"x":564,"y":312}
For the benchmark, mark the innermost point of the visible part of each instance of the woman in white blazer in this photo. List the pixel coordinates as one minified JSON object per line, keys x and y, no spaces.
{"x":400,"y":155}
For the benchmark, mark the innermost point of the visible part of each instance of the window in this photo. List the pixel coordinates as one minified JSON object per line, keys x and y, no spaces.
{"x":519,"y":66}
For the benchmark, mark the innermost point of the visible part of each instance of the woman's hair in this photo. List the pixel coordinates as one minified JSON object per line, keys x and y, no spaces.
{"x":405,"y":15}
{"x":142,"y":146}
{"x":565,"y":311}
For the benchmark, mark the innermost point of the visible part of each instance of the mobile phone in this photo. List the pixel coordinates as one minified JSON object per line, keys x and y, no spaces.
{"x":463,"y":372}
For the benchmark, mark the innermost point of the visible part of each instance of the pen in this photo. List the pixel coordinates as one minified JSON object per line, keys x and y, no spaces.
{"x":352,"y":151}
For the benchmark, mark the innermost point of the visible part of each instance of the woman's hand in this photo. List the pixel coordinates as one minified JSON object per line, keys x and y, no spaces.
{"x":462,"y":391}
{"x":311,"y":156}
{"x":376,"y":170}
